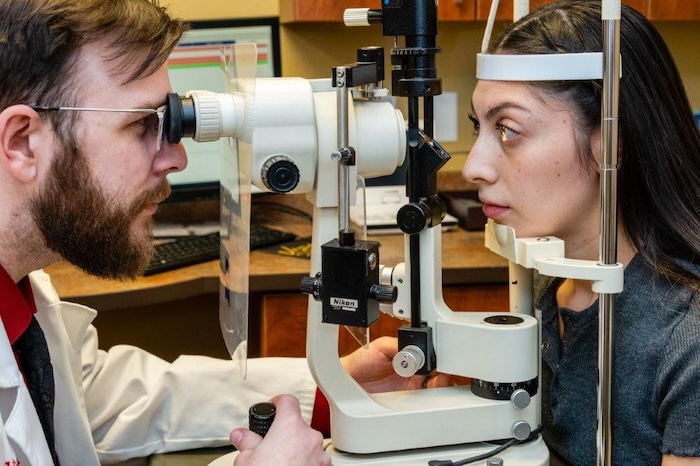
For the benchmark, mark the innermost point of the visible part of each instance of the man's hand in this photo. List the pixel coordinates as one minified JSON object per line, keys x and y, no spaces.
{"x":290,"y":441}
{"x":372,"y":369}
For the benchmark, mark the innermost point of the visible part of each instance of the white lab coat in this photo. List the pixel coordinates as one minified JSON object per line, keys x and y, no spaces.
{"x":126,"y":403}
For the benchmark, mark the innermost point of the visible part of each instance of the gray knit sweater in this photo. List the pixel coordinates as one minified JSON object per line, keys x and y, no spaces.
{"x":656,"y":391}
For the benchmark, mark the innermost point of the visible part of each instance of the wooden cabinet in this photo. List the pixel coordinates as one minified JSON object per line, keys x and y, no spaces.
{"x":505,"y":8}
{"x":470,"y":10}
{"x":332,"y":10}
{"x":320,"y":10}
{"x":456,"y":10}
{"x":674,"y":10}
{"x":283,"y":318}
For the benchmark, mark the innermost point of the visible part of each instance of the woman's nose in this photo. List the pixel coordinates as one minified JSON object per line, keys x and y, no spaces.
{"x":477,"y":168}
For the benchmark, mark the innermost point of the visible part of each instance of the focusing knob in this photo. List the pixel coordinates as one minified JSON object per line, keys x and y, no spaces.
{"x":260,"y":417}
{"x":413,"y":218}
{"x":280,"y":174}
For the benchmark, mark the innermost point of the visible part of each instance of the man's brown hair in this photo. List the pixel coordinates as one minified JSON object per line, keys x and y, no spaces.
{"x":41,"y":40}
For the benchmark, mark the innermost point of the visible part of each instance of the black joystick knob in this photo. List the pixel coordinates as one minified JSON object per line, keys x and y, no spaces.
{"x":260,"y":417}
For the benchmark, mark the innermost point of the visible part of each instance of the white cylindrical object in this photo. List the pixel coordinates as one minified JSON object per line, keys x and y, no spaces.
{"x":520,"y":9}
{"x":611,"y":10}
{"x":491,"y":347}
{"x":356,"y":17}
{"x":381,"y":138}
{"x":217,"y":115}
{"x":283,"y":122}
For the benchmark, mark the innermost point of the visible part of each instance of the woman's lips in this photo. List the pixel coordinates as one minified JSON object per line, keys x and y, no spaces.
{"x":493,"y":211}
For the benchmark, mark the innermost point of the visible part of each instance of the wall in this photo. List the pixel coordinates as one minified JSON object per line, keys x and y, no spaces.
{"x":311,"y":50}
{"x":213,"y":9}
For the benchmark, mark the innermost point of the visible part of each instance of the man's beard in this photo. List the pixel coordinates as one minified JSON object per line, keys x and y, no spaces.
{"x":79,"y":222}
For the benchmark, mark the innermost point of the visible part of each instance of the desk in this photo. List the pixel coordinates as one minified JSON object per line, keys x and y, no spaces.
{"x":176,"y":312}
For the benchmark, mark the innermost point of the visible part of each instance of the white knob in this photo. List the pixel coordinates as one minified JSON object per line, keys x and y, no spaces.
{"x":356,"y":17}
{"x":408,"y":361}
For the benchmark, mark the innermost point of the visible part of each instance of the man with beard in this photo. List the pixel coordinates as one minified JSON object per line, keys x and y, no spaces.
{"x":83,"y":166}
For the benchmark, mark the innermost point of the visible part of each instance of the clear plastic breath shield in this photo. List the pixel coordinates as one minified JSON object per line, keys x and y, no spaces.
{"x":239,"y":63}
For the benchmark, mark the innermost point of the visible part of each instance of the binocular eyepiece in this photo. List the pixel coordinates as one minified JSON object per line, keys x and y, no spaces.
{"x":180,"y":118}
{"x":203,"y":116}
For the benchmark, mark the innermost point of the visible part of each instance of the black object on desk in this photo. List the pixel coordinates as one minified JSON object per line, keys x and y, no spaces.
{"x":189,"y":250}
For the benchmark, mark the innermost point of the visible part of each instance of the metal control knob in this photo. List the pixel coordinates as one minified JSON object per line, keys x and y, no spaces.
{"x":383,"y":293}
{"x":521,"y":430}
{"x":408,"y":361}
{"x":280,"y":174}
{"x":494,"y":461}
{"x":520,"y":398}
{"x":260,"y":417}
{"x":312,"y":286}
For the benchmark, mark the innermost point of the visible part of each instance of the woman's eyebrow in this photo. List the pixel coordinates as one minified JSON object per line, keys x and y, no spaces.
{"x":493,"y":111}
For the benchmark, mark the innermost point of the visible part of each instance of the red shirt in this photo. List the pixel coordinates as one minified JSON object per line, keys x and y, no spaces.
{"x":321,"y":416}
{"x":16,"y":305}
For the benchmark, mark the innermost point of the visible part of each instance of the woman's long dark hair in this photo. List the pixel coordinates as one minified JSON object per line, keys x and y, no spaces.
{"x":659,"y":166}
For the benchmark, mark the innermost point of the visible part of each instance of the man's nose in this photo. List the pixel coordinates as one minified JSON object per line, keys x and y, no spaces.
{"x":171,"y":158}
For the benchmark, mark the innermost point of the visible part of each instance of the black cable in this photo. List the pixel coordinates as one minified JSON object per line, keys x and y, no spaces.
{"x":484,"y":456}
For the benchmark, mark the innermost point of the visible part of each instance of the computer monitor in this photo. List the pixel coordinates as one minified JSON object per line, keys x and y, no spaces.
{"x":195,"y":64}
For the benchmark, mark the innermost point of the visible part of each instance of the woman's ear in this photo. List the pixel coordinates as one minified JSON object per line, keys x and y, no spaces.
{"x":19,"y":125}
{"x":596,"y":146}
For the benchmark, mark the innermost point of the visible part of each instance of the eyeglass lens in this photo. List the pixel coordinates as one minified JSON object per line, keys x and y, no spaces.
{"x":159,"y":126}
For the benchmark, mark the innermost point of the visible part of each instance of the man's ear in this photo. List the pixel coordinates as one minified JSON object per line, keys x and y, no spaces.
{"x":20,"y":131}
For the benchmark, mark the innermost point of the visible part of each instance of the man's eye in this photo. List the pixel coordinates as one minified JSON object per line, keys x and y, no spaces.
{"x":506,"y":133}
{"x":149,"y":122}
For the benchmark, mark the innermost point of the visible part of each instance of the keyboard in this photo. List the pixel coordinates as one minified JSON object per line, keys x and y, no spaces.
{"x":189,"y":250}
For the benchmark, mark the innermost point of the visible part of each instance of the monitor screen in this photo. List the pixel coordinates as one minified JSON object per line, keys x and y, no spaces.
{"x":195,"y":64}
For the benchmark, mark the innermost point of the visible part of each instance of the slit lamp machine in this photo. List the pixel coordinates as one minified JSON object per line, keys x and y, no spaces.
{"x":316,"y":137}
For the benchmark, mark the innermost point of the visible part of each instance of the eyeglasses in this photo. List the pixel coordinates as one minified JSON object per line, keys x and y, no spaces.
{"x":154,"y":122}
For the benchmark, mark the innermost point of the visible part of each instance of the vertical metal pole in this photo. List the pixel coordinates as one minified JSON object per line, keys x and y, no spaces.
{"x":414,"y":240}
{"x":608,"y":221}
{"x":343,"y":99}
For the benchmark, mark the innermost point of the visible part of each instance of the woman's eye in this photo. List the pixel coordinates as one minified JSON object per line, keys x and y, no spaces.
{"x":506,"y":133}
{"x":475,"y":122}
